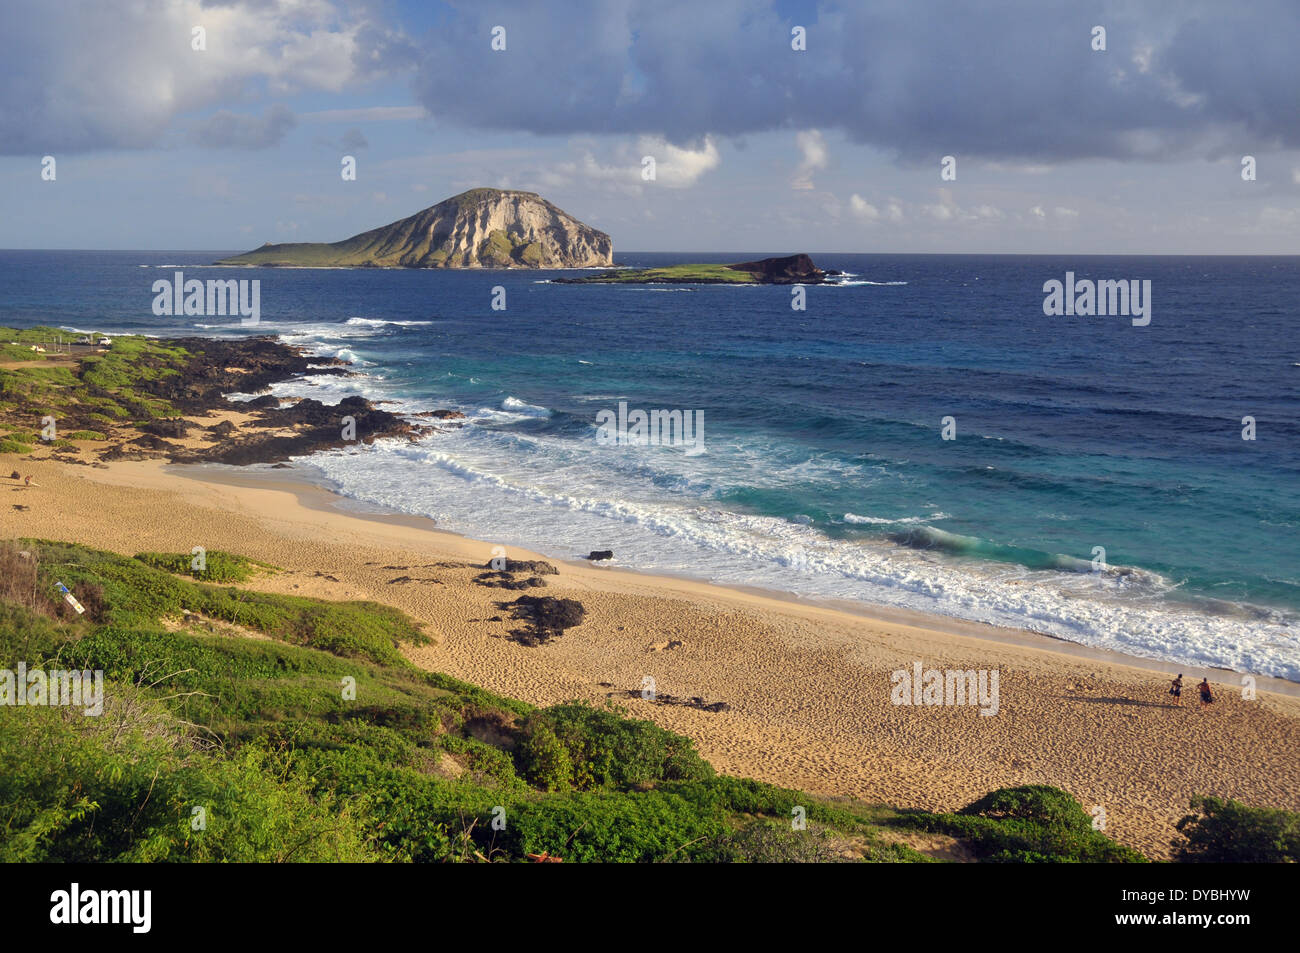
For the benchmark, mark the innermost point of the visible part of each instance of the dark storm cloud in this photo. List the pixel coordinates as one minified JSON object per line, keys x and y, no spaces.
{"x":1016,"y":79}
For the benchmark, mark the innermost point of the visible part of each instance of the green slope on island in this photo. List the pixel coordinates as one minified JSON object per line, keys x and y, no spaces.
{"x":787,"y":270}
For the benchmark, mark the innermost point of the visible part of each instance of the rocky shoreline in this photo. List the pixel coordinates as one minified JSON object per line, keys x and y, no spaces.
{"x":172,"y":397}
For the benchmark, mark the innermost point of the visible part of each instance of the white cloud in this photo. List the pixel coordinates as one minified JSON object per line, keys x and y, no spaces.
{"x":813,"y":147}
{"x":867,"y":212}
{"x":947,"y":210}
{"x":863,"y":209}
{"x":677,"y":167}
{"x":83,"y":75}
{"x":1142,"y":57}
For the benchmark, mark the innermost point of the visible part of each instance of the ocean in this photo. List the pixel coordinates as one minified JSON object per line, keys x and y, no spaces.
{"x":1097,"y":487}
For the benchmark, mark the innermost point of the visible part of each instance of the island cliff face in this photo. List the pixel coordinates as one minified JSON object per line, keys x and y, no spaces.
{"x":481,"y":228}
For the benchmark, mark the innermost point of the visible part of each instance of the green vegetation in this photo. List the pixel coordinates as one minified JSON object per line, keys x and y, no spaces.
{"x":301,"y":745}
{"x":531,"y":254}
{"x":19,"y":352}
{"x":293,"y":254}
{"x":25,"y":337}
{"x":579,"y":746}
{"x":248,"y":726}
{"x":673,"y":274}
{"x":500,"y":250}
{"x":111,"y":380}
{"x":218,"y":566}
{"x":83,"y":392}
{"x":1226,"y":831}
{"x":496,"y":249}
{"x":1034,"y":824}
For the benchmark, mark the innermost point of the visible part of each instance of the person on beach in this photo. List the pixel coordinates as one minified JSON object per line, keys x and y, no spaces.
{"x":1206,"y":697}
{"x":1176,"y":689}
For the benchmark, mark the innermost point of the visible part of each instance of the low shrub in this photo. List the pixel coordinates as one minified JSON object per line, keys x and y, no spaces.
{"x":1227,"y":831}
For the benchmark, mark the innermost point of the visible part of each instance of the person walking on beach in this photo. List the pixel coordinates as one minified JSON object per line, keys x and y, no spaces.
{"x":1206,"y":698}
{"x":1176,"y":689}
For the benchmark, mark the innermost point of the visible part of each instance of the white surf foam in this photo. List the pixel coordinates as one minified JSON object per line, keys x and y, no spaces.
{"x":900,"y":521}
{"x":554,"y":499}
{"x":515,"y":405}
{"x":381,"y":322}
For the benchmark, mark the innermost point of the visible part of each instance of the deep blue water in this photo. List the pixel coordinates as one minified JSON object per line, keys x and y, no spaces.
{"x":825,"y":472}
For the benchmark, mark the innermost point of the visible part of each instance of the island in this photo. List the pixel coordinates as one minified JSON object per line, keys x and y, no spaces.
{"x":481,"y":228}
{"x":789,"y":270}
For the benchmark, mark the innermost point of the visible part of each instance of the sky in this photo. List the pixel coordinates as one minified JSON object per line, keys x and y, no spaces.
{"x":923,"y":126}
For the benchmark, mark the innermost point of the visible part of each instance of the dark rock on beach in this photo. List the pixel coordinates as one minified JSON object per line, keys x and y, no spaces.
{"x":175,"y":428}
{"x":598,"y":554}
{"x":694,"y":701}
{"x":505,"y":580}
{"x":122,"y":452}
{"x":547,"y":616}
{"x":151,"y":442}
{"x":525,"y":565}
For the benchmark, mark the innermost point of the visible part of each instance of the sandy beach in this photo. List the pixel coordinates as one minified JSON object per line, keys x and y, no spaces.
{"x":808,"y":686}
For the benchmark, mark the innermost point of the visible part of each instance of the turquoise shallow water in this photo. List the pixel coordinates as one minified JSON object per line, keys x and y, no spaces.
{"x":825,"y":472}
